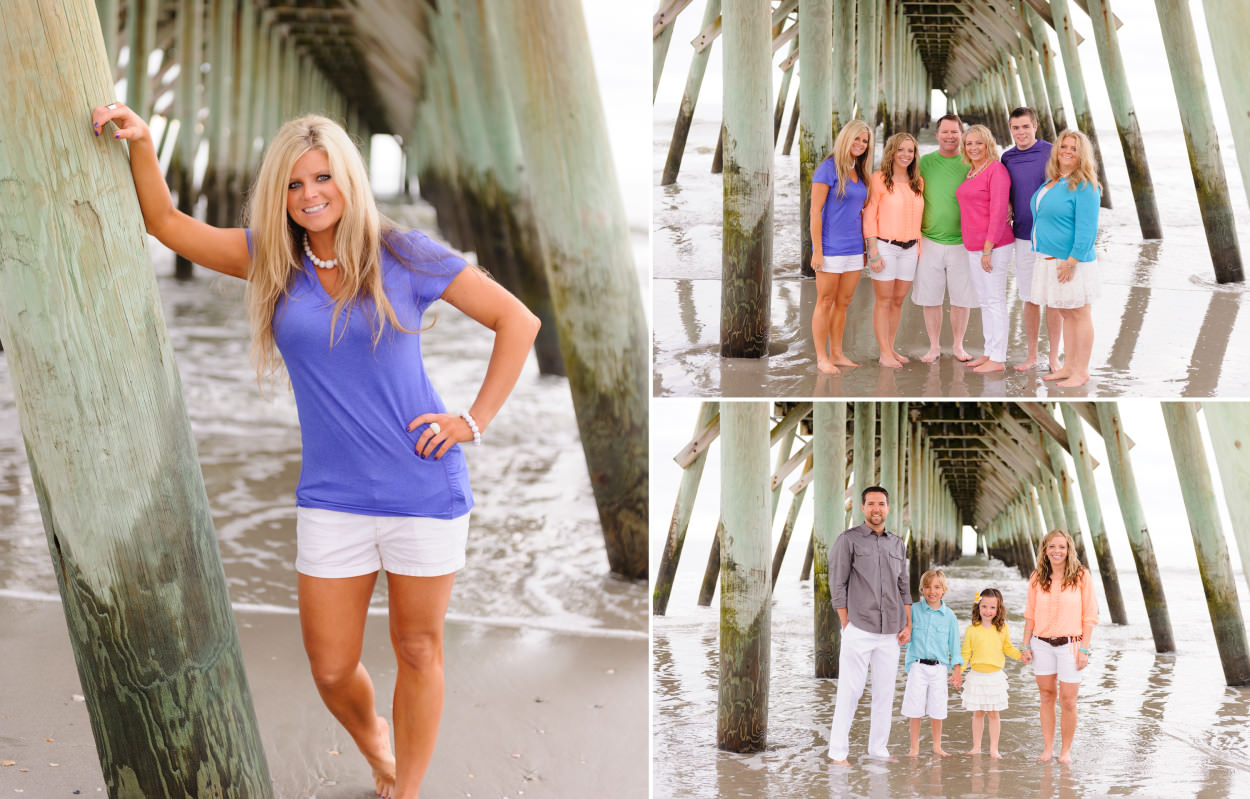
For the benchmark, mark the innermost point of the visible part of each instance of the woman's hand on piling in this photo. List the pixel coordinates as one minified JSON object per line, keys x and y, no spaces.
{"x":128,"y":124}
{"x":442,"y":430}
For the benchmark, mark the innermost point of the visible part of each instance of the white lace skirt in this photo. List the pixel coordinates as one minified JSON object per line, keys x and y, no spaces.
{"x":985,"y":690}
{"x":1082,"y":289}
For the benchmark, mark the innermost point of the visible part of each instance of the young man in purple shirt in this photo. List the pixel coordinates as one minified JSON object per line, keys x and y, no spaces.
{"x":1026,"y":163}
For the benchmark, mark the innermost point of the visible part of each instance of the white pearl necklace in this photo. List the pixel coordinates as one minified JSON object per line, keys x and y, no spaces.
{"x":320,"y":264}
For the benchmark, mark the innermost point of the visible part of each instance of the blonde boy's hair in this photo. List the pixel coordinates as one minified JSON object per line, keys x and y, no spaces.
{"x":932,"y":575}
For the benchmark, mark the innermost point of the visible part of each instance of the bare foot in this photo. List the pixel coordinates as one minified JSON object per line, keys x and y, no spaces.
{"x":914,"y":752}
{"x":1074,"y":381}
{"x":827,"y":367}
{"x":1055,"y":366}
{"x":901,"y":358}
{"x":931,"y":356}
{"x":940,"y":752}
{"x":990,"y":366}
{"x":1045,"y":757}
{"x":842,"y":360}
{"x":841,"y":762}
{"x":1062,"y":374}
{"x":1065,"y":757}
{"x":973,"y":752}
{"x":960,"y":355}
{"x":995,"y":755}
{"x":891,"y":363}
{"x":381,"y":759}
{"x":1028,"y":364}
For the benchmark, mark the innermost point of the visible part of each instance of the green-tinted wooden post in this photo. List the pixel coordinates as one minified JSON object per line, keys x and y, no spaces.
{"x":1229,"y":426}
{"x":1032,"y":66}
{"x":1125,"y":118}
{"x":1135,"y":525}
{"x":792,"y":128}
{"x":816,"y":100}
{"x":1093,"y":513}
{"x":682,"y":509}
{"x":746,"y":283}
{"x":685,"y":114}
{"x":1076,"y":87}
{"x":220,"y":120}
{"x":867,"y":39}
{"x":1067,"y":497}
{"x":784,"y":448}
{"x":865,"y":467}
{"x":711,"y":572}
{"x":591,"y":273}
{"x":141,"y":41}
{"x":1198,"y":493}
{"x":889,"y":456}
{"x":665,"y":16}
{"x":844,"y":53}
{"x":1046,"y":58}
{"x":242,"y":92}
{"x":1227,"y":23}
{"x":829,"y":474}
{"x":742,"y":703}
{"x":787,"y":529}
{"x":107,"y":10}
{"x":181,"y":169}
{"x":1181,"y":44}
{"x":112,"y":457}
{"x":783,"y":91}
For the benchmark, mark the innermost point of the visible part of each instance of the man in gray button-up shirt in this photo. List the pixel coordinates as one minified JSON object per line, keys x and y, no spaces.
{"x":869,"y":589}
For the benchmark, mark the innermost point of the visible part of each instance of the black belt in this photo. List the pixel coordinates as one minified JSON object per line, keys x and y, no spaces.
{"x":928,"y":662}
{"x":905,"y":245}
{"x":1056,"y":641}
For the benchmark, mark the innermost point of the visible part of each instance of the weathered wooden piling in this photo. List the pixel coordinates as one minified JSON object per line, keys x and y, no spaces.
{"x":864,"y":467}
{"x":1229,"y":426}
{"x":691,"y":474}
{"x":816,"y":101}
{"x":689,"y":98}
{"x":829,"y":473}
{"x":787,"y":528}
{"x":1198,"y":493}
{"x":1076,"y":87}
{"x":662,"y":36}
{"x":112,"y":457}
{"x":742,"y":704}
{"x":1181,"y":44}
{"x":1131,"y":142}
{"x":1135,"y":526}
{"x":1227,"y":23}
{"x":746,"y":283}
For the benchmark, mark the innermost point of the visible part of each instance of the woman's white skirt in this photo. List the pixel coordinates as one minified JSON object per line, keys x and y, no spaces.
{"x":985,"y":690}
{"x":1082,"y":289}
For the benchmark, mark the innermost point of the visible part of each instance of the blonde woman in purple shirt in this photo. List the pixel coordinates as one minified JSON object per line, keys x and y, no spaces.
{"x":984,"y":202}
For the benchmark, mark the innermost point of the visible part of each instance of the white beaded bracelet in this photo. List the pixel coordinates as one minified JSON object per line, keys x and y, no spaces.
{"x":477,"y":434}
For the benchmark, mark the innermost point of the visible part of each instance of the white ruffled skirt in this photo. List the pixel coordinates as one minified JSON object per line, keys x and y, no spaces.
{"x":1082,"y":289}
{"x":985,"y":690}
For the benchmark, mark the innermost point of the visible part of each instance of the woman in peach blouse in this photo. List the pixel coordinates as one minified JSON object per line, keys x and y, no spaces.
{"x":892,"y":236}
{"x":1059,"y":618}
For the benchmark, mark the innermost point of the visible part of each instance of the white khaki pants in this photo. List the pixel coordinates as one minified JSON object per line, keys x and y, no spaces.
{"x":861,"y":652}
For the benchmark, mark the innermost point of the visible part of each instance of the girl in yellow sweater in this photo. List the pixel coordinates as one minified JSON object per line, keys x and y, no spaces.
{"x":985,"y":685}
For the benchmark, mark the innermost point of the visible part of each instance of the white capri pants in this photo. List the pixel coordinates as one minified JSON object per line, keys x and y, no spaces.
{"x":862,"y":652}
{"x":991,"y":288}
{"x":926,"y":693}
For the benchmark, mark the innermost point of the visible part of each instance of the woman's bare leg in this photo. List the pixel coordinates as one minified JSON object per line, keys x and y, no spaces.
{"x":837,"y":321}
{"x":883,"y":299}
{"x":826,"y":287}
{"x":901,"y":289}
{"x":1067,"y":725}
{"x":1048,"y":689}
{"x":332,"y":615}
{"x":418,"y":606}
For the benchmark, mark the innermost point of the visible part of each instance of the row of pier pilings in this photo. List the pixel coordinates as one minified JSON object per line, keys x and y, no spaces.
{"x":1011,"y":471}
{"x":879,"y":61}
{"x":500,"y":122}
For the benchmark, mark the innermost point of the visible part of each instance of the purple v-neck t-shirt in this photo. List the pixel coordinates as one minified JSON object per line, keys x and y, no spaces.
{"x":355,"y":401}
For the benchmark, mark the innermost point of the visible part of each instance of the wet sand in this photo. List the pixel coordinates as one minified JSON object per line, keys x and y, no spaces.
{"x":1162,"y":328}
{"x":529,"y":713}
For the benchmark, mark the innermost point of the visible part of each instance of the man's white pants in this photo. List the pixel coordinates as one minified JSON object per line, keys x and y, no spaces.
{"x":862,"y":651}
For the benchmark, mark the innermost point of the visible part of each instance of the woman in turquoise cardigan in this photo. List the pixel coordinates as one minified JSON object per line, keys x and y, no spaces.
{"x":1065,"y":224}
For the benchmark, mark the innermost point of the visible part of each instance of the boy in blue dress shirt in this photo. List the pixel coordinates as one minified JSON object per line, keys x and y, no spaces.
{"x":932,"y":652}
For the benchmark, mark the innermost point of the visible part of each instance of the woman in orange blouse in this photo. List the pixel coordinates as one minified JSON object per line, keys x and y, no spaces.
{"x":1059,"y":618}
{"x":892,"y":236}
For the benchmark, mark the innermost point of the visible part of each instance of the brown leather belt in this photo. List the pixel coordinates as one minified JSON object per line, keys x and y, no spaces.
{"x":1055,"y":641}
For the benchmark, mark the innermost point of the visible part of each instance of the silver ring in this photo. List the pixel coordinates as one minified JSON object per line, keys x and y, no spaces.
{"x":111,"y":106}
{"x":434,"y":426}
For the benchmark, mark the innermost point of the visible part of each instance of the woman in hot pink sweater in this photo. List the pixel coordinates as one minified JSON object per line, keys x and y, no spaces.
{"x":984,"y":202}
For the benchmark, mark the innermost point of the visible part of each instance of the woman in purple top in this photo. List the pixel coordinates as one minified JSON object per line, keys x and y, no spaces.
{"x":983,"y":219}
{"x":839,"y":193}
{"x":340,"y":292}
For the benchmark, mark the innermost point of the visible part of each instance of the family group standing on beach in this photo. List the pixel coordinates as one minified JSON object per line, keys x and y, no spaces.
{"x":869,"y":589}
{"x":951,"y":222}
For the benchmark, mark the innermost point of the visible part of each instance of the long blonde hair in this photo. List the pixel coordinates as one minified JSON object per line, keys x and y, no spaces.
{"x":1073,"y":570}
{"x":1086,"y":170}
{"x":844,"y":162}
{"x":991,"y":146}
{"x":913,"y":170}
{"x":277,"y":241}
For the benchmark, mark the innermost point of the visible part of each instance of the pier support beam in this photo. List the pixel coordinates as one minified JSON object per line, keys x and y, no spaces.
{"x":864,"y":467}
{"x":689,"y":98}
{"x":1046,"y":60}
{"x":745,"y":615}
{"x":1121,"y":467}
{"x":1198,"y":492}
{"x":1181,"y":44}
{"x":1227,"y":23}
{"x":1076,"y":88}
{"x":112,"y":458}
{"x":690,"y":477}
{"x":746,"y":284}
{"x":829,"y":474}
{"x":1229,"y":426}
{"x":816,"y":107}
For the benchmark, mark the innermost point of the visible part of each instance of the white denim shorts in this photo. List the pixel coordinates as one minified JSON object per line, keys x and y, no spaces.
{"x":331,"y":543}
{"x":925,"y":693}
{"x":1059,"y":660}
{"x":841,"y":264}
{"x":899,"y":262}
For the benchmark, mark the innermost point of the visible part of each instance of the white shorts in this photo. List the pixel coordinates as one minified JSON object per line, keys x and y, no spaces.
{"x":926,"y":693}
{"x":900,"y":262}
{"x":1025,"y":257}
{"x":943,"y":267}
{"x":1059,"y":660}
{"x":841,"y":264}
{"x":331,"y":543}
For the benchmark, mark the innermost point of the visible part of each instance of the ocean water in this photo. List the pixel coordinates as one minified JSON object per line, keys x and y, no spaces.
{"x":1163,"y":326}
{"x":535,"y":556}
